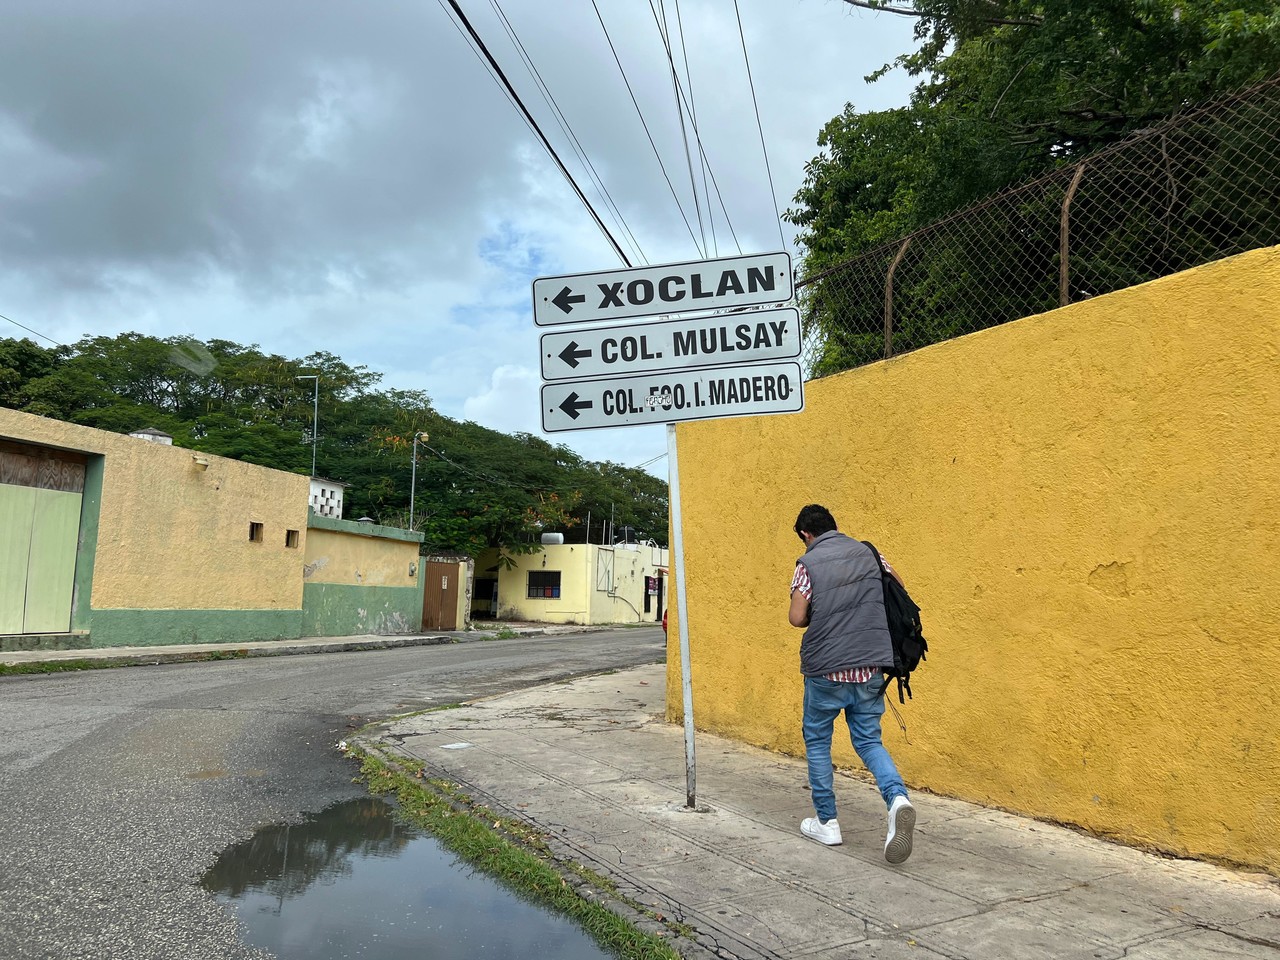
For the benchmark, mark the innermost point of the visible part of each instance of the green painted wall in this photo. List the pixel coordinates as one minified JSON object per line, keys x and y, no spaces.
{"x":317,"y":522}
{"x":87,"y":548}
{"x":150,"y":628}
{"x":340,"y":609}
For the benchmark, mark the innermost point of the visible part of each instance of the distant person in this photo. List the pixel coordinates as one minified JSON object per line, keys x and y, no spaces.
{"x":837,"y":594}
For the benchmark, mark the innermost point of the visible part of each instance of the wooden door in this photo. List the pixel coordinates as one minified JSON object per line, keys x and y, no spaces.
{"x":440,"y":596}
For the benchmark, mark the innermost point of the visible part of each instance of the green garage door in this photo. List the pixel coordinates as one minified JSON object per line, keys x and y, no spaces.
{"x":39,"y":528}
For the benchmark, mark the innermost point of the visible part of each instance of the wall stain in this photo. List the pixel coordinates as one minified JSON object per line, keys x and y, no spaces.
{"x":319,"y":563}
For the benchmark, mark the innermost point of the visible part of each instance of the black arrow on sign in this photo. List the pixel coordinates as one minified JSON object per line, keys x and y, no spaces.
{"x":565,"y":300}
{"x":571,"y":354}
{"x":572,"y":405}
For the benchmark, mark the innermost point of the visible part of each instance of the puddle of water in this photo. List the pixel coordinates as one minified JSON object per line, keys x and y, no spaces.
{"x":352,"y":881}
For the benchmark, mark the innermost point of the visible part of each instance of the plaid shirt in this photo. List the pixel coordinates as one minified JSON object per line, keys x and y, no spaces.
{"x":854,"y":674}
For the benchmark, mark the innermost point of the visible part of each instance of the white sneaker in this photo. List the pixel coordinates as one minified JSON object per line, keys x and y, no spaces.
{"x":902,"y":820}
{"x":828,"y":833}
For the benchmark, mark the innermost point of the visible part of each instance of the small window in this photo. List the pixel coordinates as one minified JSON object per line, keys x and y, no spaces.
{"x":255,"y":532}
{"x":291,"y":539}
{"x":544,"y":584}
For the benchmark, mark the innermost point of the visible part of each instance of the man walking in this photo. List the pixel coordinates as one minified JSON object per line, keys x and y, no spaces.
{"x":837,"y":595}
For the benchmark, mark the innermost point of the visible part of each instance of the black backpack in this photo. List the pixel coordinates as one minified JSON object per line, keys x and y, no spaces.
{"x":909,"y":644}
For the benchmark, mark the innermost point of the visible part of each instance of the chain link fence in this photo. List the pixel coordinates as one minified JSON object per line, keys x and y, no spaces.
{"x":1198,"y":187}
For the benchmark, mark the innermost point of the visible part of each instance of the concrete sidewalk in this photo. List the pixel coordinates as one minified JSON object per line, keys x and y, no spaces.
{"x":592,"y":763}
{"x":186,"y":652}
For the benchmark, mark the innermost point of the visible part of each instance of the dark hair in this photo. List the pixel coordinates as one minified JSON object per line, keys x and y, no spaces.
{"x":815,"y":519}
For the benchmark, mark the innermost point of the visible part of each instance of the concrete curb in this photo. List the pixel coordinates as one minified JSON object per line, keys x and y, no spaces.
{"x":234,"y":652}
{"x":88,"y":657}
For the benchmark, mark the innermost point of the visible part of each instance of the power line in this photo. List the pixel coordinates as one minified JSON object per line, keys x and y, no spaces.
{"x":665,"y":33}
{"x":773,"y":195}
{"x":480,"y":476}
{"x":714,"y":182}
{"x":511,"y":92}
{"x":581,"y":152}
{"x":641,"y":466}
{"x":56,"y":343}
{"x":693,"y":119}
{"x":640,"y":114}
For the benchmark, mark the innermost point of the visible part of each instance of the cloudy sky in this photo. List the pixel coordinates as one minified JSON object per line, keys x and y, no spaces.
{"x":346,"y":175}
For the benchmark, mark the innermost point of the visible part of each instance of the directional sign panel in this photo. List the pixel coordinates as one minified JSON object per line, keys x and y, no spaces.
{"x":738,"y":391}
{"x":699,"y":285}
{"x":745,"y":337}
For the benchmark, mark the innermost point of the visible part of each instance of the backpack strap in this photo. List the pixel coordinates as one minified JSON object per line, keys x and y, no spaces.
{"x":872,"y":547}
{"x":891,"y":673}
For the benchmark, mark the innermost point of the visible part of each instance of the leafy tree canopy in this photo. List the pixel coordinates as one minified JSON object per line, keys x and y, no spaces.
{"x":475,"y":487}
{"x":1012,"y":88}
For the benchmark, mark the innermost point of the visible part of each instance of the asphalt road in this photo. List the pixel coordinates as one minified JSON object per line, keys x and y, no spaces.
{"x":119,"y":788}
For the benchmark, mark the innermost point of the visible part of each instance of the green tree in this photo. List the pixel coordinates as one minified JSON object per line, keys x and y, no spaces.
{"x":1008,"y":89}
{"x":475,"y":488}
{"x":1012,"y":89}
{"x":22,"y":361}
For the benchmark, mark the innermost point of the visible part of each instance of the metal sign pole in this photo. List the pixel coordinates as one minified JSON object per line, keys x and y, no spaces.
{"x":682,"y":617}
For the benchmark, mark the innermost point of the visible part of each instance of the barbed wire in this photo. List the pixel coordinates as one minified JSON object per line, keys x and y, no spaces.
{"x":1199,"y":187}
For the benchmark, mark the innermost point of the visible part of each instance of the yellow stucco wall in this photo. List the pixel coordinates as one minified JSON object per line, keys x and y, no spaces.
{"x":575,"y":563}
{"x":1086,"y":504}
{"x":630,"y":565}
{"x":334,"y":556}
{"x":174,"y":536}
{"x":588,"y":593}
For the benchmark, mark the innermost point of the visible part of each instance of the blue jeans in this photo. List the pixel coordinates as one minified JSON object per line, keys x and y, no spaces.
{"x":863,"y":706}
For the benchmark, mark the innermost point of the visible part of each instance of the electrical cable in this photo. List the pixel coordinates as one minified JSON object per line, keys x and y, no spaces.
{"x":759,"y":126}
{"x":714,"y":182}
{"x":498,"y":481}
{"x":641,"y":466}
{"x":640,"y":114}
{"x":497,"y":70}
{"x":693,"y":119}
{"x":56,"y":343}
{"x":665,"y":34}
{"x":550,"y":99}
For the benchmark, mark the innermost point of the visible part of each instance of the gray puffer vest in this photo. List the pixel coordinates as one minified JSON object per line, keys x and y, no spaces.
{"x":847,"y":625}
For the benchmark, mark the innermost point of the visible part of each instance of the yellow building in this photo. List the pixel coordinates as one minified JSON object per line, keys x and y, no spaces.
{"x":109,"y":540}
{"x":1086,"y":504}
{"x":573,"y":583}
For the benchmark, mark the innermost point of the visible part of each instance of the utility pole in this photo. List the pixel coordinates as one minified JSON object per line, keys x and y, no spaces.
{"x":413,"y":475}
{"x":315,"y":418}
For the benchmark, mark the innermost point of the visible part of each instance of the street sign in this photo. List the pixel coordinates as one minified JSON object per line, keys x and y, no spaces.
{"x":698,"y":285}
{"x":745,"y":337}
{"x":736,"y":391}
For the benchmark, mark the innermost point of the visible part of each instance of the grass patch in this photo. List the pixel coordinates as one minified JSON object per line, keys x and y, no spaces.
{"x":54,"y":666}
{"x":240,"y":654}
{"x":505,"y":633}
{"x":133,"y":660}
{"x":517,"y":855}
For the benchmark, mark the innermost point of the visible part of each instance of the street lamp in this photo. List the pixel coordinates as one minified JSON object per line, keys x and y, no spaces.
{"x":315,"y":418}
{"x":413,"y":475}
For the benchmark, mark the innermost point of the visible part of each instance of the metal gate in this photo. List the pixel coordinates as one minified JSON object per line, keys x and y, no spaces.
{"x":40,"y":495}
{"x":440,"y":596}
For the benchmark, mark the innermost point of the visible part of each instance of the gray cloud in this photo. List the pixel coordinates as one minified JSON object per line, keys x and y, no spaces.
{"x":345,"y":175}
{"x":277,"y":141}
